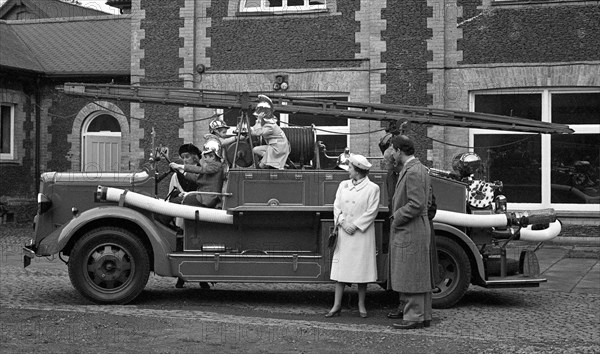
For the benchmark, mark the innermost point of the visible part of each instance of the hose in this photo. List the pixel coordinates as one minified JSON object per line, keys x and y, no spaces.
{"x":163,"y":207}
{"x":471,"y":220}
{"x":527,"y":234}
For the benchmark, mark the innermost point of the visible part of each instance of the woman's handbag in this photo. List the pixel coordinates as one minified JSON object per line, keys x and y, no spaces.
{"x":332,"y":241}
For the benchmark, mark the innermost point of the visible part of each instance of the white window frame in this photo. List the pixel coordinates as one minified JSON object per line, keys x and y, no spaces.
{"x":320,"y":129}
{"x":545,"y":142}
{"x":11,"y":155}
{"x":264,"y":7}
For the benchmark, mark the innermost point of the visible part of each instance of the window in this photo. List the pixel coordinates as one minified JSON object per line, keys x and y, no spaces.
{"x":331,"y":131}
{"x":562,"y":171}
{"x":7,"y":132}
{"x":281,"y":6}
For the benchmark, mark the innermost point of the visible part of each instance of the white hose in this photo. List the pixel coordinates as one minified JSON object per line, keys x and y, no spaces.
{"x":471,"y":220}
{"x":160,"y":206}
{"x":527,"y":234}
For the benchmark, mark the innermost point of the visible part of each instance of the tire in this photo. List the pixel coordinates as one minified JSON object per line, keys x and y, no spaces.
{"x":455,"y":272}
{"x":109,"y":265}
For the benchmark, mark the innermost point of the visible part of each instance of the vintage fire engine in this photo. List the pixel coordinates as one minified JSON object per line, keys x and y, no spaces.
{"x":273,"y":224}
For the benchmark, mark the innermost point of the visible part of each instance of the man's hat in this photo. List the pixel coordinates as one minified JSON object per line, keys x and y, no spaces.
{"x":360,"y":161}
{"x":189,"y":148}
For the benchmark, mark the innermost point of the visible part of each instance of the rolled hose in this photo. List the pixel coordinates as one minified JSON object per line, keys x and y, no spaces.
{"x":163,"y":207}
{"x":553,"y":229}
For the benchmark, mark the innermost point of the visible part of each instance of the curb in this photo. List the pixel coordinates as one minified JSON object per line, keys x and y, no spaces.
{"x":575,"y":241}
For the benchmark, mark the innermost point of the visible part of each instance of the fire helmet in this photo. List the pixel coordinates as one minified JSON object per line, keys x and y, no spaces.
{"x":212,"y":145}
{"x":216,"y":124}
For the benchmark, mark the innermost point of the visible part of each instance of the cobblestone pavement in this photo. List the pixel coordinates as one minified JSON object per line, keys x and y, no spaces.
{"x":544,"y":317}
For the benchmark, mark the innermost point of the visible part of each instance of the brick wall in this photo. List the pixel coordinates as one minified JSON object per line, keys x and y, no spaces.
{"x":504,"y":34}
{"x":406,"y":56}
{"x":282,"y":42}
{"x":161,"y":63}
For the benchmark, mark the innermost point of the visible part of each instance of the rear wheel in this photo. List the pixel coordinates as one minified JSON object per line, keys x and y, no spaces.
{"x":109,"y":265}
{"x":455,"y":273}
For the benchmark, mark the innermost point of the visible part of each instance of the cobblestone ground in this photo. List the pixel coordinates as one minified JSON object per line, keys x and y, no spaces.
{"x":513,"y":320}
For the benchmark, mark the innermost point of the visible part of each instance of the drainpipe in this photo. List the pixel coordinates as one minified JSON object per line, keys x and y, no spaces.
{"x":38,"y":134}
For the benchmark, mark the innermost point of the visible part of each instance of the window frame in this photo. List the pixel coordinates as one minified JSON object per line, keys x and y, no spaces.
{"x":546,"y":145}
{"x":10,"y":155}
{"x":264,"y":8}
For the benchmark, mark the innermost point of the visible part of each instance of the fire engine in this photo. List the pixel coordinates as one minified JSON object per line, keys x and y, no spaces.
{"x":273,"y":224}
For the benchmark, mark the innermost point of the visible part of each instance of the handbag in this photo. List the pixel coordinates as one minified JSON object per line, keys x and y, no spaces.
{"x":332,"y":240}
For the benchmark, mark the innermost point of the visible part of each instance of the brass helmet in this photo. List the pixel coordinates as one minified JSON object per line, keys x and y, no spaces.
{"x":212,"y":145}
{"x":343,"y":160}
{"x":216,"y":124}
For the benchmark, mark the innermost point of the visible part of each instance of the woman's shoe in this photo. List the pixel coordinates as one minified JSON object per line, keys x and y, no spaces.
{"x":334,"y":313}
{"x":363,"y":314}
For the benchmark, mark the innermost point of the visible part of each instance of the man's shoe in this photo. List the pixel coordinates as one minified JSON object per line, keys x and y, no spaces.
{"x":408,"y":325}
{"x":179,"y":283}
{"x":395,"y":314}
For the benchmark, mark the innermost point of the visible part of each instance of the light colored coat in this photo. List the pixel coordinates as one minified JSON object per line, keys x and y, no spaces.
{"x":410,"y":231}
{"x":277,"y":150}
{"x":354,"y":256}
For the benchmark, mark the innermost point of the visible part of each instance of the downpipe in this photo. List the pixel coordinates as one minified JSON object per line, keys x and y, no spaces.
{"x":163,"y":207}
{"x":523,"y":221}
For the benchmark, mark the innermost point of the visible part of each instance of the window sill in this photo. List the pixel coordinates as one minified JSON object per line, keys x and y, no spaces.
{"x":281,"y":13}
{"x":9,"y":162}
{"x":542,"y":2}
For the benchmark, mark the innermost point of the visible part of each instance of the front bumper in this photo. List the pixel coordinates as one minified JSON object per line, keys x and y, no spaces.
{"x":28,"y":253}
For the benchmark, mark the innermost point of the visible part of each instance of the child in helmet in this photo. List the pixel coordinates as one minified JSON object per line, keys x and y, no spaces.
{"x":208,"y":176}
{"x":218,"y":129}
{"x":275,"y":153}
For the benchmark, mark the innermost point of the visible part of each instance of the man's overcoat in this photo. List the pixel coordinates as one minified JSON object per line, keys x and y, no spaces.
{"x":409,"y":244}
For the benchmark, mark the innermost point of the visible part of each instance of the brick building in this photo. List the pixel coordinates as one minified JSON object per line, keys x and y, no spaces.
{"x":538,"y":60}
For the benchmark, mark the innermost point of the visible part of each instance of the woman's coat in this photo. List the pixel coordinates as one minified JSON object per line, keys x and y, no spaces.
{"x":410,"y":231}
{"x":354,"y":258}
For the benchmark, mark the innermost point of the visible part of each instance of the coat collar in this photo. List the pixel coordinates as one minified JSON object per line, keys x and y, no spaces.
{"x":408,"y":165}
{"x":358,"y":187}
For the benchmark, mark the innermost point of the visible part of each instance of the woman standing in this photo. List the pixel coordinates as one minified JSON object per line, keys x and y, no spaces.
{"x":355,"y":208}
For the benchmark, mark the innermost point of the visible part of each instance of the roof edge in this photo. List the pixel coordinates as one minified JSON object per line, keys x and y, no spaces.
{"x":67,"y":19}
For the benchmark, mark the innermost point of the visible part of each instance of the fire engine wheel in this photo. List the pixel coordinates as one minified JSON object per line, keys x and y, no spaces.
{"x":109,"y":265}
{"x":455,"y":273}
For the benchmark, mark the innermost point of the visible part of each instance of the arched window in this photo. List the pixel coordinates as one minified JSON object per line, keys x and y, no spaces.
{"x":101,"y":143}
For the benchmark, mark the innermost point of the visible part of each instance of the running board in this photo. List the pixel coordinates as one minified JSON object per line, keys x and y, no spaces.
{"x":514,"y":283}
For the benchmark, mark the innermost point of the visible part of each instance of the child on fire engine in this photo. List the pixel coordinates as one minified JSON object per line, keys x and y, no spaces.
{"x":277,"y":149}
{"x":208,"y":176}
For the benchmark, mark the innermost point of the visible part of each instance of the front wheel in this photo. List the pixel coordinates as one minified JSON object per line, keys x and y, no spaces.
{"x":109,"y":265}
{"x":455,"y":273}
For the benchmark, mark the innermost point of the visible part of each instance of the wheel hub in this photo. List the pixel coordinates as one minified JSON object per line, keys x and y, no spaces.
{"x":109,"y":266}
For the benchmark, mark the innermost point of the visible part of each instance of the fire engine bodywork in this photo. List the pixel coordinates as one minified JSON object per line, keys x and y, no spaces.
{"x":280,"y":220}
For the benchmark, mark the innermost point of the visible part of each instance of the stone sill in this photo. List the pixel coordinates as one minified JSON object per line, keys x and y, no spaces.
{"x":542,"y":2}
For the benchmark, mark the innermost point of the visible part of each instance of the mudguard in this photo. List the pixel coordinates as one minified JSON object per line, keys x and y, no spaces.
{"x":467,"y":242}
{"x":58,"y":239}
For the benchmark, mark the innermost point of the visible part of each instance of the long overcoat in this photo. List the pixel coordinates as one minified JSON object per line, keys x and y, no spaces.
{"x":411,"y":234}
{"x":354,"y":258}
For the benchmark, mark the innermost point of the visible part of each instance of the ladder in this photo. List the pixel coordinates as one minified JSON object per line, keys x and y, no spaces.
{"x":288,"y":103}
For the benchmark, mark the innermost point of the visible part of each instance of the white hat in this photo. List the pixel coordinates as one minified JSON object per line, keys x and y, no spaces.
{"x":360,"y":161}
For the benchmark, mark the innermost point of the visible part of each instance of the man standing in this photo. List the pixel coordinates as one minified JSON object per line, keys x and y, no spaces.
{"x":409,"y":249}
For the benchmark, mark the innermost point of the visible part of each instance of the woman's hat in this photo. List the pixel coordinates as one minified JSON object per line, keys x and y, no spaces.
{"x":360,"y":161}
